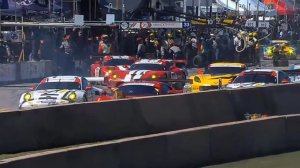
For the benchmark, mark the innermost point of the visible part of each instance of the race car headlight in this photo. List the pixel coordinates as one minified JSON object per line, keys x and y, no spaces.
{"x":153,"y":77}
{"x":197,"y":79}
{"x":72,"y":96}
{"x":115,"y":76}
{"x":110,"y":71}
{"x":28,"y":97}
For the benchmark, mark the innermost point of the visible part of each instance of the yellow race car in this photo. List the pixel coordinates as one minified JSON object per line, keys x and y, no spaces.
{"x":286,"y":50}
{"x":215,"y":76}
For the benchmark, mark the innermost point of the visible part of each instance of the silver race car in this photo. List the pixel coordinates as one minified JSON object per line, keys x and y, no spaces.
{"x":56,"y":90}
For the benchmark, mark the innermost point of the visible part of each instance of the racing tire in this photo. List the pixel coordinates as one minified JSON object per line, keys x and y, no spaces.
{"x":198,"y":61}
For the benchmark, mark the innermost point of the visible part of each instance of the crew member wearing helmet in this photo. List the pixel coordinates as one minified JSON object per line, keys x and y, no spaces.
{"x":104,"y":47}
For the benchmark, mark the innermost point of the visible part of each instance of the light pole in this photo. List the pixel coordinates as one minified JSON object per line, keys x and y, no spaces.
{"x":123,"y":10}
{"x":257,"y":15}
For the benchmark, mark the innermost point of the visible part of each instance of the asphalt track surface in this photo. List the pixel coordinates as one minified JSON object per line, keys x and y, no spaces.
{"x":286,"y":160}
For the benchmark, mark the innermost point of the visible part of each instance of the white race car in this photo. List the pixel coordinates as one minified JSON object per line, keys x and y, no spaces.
{"x":56,"y":90}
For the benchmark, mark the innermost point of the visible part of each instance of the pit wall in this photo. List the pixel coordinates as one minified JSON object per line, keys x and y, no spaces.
{"x":190,"y":148}
{"x":25,"y":71}
{"x":46,"y":128}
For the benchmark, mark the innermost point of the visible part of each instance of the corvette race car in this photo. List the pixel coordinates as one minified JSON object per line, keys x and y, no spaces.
{"x":259,"y":77}
{"x":286,"y":50}
{"x":147,"y":69}
{"x":142,"y":89}
{"x":215,"y":76}
{"x":111,"y":63}
{"x":58,"y":90}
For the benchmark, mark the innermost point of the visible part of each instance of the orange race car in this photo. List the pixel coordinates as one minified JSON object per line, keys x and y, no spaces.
{"x":111,"y":63}
{"x":147,"y":69}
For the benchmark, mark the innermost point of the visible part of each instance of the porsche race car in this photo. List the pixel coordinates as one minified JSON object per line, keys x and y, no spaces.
{"x":215,"y":76}
{"x":285,"y":49}
{"x":111,"y":63}
{"x":259,"y":77}
{"x":56,"y":90}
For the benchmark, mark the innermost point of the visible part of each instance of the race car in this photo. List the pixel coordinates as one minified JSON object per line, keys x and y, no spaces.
{"x":147,"y":69}
{"x":142,"y":89}
{"x":111,"y":63}
{"x":56,"y":90}
{"x":286,"y":50}
{"x":215,"y":76}
{"x":259,"y":77}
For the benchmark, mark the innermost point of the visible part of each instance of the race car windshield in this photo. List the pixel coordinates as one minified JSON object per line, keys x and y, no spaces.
{"x":59,"y":85}
{"x":137,"y":90}
{"x":153,"y":67}
{"x":223,"y":70}
{"x":256,"y":78}
{"x":117,"y":62}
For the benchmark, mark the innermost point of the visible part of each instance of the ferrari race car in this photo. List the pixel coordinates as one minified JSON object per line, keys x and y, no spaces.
{"x":215,"y":76}
{"x":56,"y":90}
{"x":147,"y":69}
{"x":111,"y":63}
{"x":142,"y":89}
{"x":285,"y":49}
{"x":259,"y":77}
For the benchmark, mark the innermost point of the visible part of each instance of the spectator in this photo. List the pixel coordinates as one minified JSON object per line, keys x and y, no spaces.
{"x":141,"y":49}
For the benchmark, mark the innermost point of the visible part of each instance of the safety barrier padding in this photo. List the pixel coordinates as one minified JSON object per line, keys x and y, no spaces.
{"x":248,"y":139}
{"x":8,"y":72}
{"x":192,"y":147}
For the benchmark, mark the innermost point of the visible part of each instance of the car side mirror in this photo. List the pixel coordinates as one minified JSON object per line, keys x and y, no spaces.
{"x":88,"y":88}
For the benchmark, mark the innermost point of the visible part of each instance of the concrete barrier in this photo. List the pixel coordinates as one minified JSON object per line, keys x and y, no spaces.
{"x":35,"y":70}
{"x":8,"y":72}
{"x":98,"y":121}
{"x":192,"y":148}
{"x":248,"y":139}
{"x":25,"y":71}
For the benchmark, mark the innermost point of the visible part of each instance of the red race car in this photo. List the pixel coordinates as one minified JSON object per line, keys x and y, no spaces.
{"x":147,"y":69}
{"x":142,"y":89}
{"x":111,"y":63}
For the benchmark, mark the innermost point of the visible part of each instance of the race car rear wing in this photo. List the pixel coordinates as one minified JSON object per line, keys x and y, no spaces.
{"x":294,"y":75}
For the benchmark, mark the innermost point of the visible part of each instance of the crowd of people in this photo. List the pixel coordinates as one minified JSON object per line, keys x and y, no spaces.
{"x":76,"y":48}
